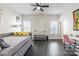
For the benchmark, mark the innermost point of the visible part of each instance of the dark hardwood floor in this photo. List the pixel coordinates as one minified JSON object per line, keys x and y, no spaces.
{"x":47,"y":48}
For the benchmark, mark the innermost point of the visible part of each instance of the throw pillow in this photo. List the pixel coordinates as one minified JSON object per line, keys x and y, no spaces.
{"x":3,"y":45}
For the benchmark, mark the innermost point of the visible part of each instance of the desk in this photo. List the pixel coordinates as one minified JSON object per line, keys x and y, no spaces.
{"x":76,"y":46}
{"x":74,"y":38}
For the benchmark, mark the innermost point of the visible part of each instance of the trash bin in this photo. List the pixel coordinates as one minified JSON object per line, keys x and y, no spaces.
{"x":47,"y":38}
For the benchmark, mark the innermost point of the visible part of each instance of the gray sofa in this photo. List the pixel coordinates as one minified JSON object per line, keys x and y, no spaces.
{"x":18,"y":45}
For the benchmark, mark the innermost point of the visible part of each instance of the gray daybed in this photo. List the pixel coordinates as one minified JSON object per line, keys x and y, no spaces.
{"x":18,"y":45}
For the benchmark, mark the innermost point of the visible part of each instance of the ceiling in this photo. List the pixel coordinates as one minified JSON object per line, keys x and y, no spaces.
{"x":26,"y":8}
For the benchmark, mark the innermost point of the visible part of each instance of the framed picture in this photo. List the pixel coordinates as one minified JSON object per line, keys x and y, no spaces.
{"x":17,"y":19}
{"x":76,"y":20}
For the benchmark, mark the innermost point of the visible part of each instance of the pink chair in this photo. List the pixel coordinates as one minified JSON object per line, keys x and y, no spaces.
{"x":67,"y":40}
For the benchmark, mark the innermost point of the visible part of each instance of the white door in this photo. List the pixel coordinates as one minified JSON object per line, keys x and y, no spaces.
{"x":55,"y":29}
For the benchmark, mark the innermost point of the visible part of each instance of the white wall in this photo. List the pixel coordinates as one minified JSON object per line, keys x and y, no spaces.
{"x":67,"y":19}
{"x":8,"y":17}
{"x":41,"y":22}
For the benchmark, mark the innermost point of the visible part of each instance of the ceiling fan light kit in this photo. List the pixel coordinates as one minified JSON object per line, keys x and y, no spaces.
{"x":39,"y":6}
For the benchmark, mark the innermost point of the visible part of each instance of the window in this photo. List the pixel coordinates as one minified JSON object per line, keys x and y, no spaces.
{"x":27,"y":26}
{"x":54,"y":27}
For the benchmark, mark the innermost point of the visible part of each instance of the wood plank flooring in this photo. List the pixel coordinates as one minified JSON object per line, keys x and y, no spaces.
{"x":47,"y":48}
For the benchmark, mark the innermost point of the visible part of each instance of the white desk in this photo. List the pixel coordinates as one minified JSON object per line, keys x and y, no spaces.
{"x":74,"y":37}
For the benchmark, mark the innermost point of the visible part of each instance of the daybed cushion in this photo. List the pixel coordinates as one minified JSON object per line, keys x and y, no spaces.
{"x":15,"y":43}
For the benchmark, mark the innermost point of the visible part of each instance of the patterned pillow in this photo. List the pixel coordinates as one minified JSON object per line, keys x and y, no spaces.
{"x":0,"y":49}
{"x":15,"y":33}
{"x":0,"y":35}
{"x":3,"y":45}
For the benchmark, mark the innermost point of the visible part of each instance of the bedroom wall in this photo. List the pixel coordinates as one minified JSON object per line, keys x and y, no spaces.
{"x":41,"y":22}
{"x":67,"y":20}
{"x":8,"y":18}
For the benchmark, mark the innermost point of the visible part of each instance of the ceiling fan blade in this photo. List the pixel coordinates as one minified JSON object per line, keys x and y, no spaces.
{"x":34,"y":9}
{"x":33,"y":5}
{"x":41,"y":9}
{"x":37,"y":4}
{"x":44,"y":5}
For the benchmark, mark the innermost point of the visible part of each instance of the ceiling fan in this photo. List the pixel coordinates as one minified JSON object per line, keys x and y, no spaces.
{"x":39,"y":6}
